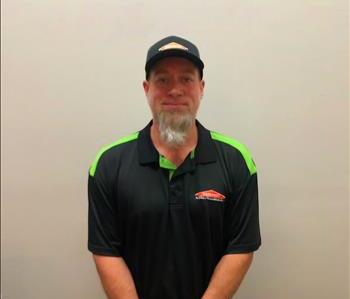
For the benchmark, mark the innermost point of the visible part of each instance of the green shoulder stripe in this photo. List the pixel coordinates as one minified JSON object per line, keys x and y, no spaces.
{"x":244,"y":151}
{"x":107,"y":147}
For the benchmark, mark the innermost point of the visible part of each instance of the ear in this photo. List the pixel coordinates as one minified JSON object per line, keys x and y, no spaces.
{"x":145,"y":84}
{"x":202,"y":87}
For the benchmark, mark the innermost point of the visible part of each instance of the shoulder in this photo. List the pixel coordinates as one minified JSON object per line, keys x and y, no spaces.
{"x":113,"y":150}
{"x":231,"y":146}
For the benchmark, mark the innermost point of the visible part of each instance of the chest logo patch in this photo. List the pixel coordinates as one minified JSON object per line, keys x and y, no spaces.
{"x":210,"y":195}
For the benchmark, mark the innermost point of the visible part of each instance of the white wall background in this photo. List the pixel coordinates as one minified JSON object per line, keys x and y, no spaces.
{"x":277,"y":80}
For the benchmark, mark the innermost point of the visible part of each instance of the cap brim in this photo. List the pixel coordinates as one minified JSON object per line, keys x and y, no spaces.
{"x":174,"y":53}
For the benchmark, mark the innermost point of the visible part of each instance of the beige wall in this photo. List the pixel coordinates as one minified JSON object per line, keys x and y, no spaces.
{"x":277,"y":80}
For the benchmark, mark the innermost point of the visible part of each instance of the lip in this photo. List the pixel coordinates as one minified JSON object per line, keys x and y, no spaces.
{"x":174,"y":104}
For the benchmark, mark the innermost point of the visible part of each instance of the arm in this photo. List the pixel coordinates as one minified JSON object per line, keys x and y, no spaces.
{"x":115,"y":277}
{"x":228,"y":275}
{"x":241,"y":229}
{"x":104,"y":232}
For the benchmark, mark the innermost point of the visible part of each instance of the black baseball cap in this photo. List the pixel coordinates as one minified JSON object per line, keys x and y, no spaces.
{"x":173,"y":46}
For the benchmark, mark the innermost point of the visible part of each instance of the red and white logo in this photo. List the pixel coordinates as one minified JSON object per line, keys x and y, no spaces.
{"x":210,"y":195}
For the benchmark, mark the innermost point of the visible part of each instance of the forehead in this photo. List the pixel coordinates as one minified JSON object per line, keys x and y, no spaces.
{"x":172,"y":64}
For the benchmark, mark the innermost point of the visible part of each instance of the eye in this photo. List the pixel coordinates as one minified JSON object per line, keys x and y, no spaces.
{"x":161,"y":80}
{"x":188,"y":79}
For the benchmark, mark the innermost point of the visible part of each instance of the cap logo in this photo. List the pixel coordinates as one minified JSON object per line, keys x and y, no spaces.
{"x":172,"y":45}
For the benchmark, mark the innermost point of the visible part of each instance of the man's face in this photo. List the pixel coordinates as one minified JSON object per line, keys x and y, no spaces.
{"x":174,"y":89}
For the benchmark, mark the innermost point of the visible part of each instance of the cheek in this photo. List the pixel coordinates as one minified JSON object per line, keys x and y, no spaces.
{"x":154,"y":99}
{"x":155,"y":94}
{"x":196,"y":96}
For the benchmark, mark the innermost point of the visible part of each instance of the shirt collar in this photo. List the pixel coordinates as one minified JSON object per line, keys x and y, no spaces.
{"x":204,"y":152}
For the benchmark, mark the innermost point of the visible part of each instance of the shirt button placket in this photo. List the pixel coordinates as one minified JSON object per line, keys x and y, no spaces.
{"x":174,"y":193}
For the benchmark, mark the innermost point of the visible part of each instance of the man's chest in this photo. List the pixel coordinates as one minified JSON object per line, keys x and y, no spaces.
{"x":200,"y":192}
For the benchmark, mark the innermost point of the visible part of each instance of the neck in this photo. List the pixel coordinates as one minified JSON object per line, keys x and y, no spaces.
{"x":175,"y":154}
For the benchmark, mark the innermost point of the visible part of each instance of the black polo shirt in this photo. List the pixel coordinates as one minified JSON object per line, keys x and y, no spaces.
{"x":173,"y":229}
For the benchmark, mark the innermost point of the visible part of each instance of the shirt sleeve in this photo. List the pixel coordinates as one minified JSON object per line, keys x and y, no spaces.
{"x":103,"y":235}
{"x":242,"y":229}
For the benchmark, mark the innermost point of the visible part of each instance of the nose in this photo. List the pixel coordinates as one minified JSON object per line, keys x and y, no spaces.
{"x":175,"y":89}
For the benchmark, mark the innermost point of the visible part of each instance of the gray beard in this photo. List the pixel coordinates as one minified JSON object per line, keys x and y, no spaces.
{"x":174,"y":127}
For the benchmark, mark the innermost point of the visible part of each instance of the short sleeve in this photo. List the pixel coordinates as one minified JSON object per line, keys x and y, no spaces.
{"x":103,"y":235}
{"x":242,"y":229}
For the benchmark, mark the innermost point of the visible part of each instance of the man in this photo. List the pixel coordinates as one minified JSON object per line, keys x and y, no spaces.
{"x":173,"y":208}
